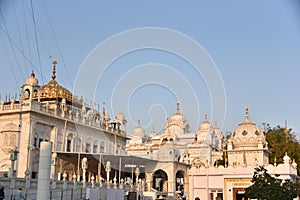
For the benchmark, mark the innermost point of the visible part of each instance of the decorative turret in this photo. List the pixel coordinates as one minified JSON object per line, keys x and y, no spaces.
{"x":177,"y":124}
{"x":31,"y":88}
{"x":248,"y":135}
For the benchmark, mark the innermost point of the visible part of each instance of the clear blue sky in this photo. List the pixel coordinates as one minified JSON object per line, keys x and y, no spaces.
{"x":255,"y":46}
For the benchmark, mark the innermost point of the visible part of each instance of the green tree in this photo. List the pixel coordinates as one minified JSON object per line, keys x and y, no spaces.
{"x":281,"y":140}
{"x":266,"y":187}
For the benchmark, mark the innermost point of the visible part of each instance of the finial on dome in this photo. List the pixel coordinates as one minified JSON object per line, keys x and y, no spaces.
{"x":178,"y":106}
{"x":139,"y":122}
{"x":54,"y":62}
{"x":32,"y":73}
{"x":247,"y":112}
{"x":205,"y":117}
{"x":216,"y":124}
{"x":286,"y":131}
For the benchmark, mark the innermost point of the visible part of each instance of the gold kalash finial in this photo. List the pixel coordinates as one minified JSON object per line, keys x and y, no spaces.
{"x":54,"y":62}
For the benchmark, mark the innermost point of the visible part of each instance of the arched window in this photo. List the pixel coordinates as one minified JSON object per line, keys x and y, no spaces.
{"x":244,"y":133}
{"x":26,"y":94}
{"x":87,"y":147}
{"x":69,"y":143}
{"x":164,"y":140}
{"x":95,"y":147}
{"x":102,"y":147}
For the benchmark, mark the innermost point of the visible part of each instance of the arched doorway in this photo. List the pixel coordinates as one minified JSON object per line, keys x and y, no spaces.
{"x":180,"y":182}
{"x":160,"y":181}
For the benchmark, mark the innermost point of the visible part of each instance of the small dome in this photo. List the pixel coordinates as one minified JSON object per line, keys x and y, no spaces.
{"x":138,"y":131}
{"x":248,"y":134}
{"x":152,"y":132}
{"x":32,"y":80}
{"x":205,"y":125}
{"x":177,"y":118}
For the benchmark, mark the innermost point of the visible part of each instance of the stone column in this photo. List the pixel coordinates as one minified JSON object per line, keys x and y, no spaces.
{"x":74,"y":181}
{"x":148,"y":181}
{"x":137,"y":173}
{"x":53,"y":165}
{"x":107,"y":169}
{"x":84,"y":166}
{"x":44,"y":171}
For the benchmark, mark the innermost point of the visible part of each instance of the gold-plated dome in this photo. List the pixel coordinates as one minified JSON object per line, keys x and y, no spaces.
{"x":53,"y":90}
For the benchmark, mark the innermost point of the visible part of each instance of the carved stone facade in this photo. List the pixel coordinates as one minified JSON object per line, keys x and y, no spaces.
{"x":187,"y":162}
{"x":51,"y":113}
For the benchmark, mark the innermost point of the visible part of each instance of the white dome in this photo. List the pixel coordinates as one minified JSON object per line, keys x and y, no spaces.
{"x":177,"y":118}
{"x":204,"y":127}
{"x":247,"y":134}
{"x":204,"y":132}
{"x":138,"y":131}
{"x":32,"y":80}
{"x":152,"y":132}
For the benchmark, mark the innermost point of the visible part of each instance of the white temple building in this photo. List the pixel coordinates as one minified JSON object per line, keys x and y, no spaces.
{"x":86,"y":141}
{"x":193,"y":158}
{"x":52,"y":113}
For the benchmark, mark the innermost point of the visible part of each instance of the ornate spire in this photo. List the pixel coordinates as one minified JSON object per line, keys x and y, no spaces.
{"x":139,"y":122}
{"x":153,"y":128}
{"x":103,"y":109}
{"x":216,"y":123}
{"x":286,"y":132}
{"x":178,"y":106}
{"x":247,"y":113}
{"x":32,"y":73}
{"x":54,"y":62}
{"x":205,"y":117}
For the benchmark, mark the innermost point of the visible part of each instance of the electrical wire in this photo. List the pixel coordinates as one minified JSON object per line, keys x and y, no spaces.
{"x":26,"y":30}
{"x":10,"y":41}
{"x":22,"y":53}
{"x":57,"y":43}
{"x":36,"y":40}
{"x":19,"y":33}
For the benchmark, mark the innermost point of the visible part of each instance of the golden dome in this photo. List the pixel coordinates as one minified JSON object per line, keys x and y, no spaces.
{"x":53,"y":90}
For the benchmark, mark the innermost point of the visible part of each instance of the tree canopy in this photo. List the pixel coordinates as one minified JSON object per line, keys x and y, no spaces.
{"x":266,"y":187}
{"x":280,"y":141}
